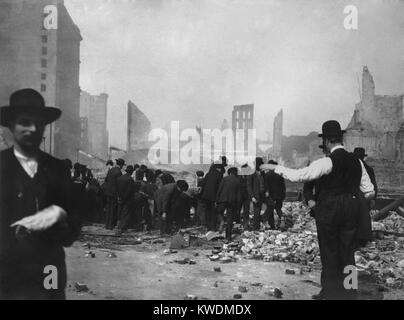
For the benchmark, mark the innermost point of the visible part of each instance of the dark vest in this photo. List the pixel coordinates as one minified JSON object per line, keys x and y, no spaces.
{"x":345,"y":176}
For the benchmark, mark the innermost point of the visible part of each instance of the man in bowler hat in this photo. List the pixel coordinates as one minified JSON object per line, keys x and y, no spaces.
{"x":36,"y":216}
{"x":342,"y":177}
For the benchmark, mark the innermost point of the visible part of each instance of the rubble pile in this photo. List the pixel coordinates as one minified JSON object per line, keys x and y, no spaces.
{"x":297,"y":245}
{"x":384,"y":258}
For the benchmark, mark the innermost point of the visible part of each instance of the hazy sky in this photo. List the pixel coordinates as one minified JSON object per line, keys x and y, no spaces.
{"x":192,"y":60}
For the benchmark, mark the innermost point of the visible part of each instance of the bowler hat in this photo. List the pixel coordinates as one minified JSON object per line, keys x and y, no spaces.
{"x":27,"y":100}
{"x":331,"y":128}
{"x":360,"y":152}
{"x":129,"y":168}
{"x":120,"y":162}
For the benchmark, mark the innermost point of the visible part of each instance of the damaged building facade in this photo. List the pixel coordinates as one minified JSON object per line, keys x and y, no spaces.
{"x":138,"y":129}
{"x":377,"y":123}
{"x":47,"y":60}
{"x":93,"y":117}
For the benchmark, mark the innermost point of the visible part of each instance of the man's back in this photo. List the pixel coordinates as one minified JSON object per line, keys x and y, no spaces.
{"x":229,"y":190}
{"x":345,"y":176}
{"x":275,"y":185}
{"x":111,"y":181}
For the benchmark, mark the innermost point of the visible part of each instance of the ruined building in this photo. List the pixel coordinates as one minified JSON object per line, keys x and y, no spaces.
{"x":93,"y":115}
{"x":243,"y":118}
{"x":277,"y":136}
{"x":377,"y":123}
{"x":139,"y":127}
{"x":47,"y":60}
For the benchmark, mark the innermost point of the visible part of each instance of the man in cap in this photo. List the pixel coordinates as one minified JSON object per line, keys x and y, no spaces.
{"x":111,"y":191}
{"x":36,"y":216}
{"x":125,"y":192}
{"x":342,"y":177}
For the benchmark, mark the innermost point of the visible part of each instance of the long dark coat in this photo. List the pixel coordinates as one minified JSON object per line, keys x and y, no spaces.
{"x":23,"y":260}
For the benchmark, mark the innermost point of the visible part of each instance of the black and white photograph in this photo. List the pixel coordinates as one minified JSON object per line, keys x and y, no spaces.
{"x":203,"y":155}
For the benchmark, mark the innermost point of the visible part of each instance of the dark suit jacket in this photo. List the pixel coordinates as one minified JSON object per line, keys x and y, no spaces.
{"x":111,"y":187}
{"x":275,"y":185}
{"x":229,"y":190}
{"x":210,"y":184}
{"x":253,"y":186}
{"x":22,"y":261}
{"x":125,"y":188}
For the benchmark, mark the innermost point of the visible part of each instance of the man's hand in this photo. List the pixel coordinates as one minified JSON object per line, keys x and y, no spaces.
{"x":268,"y":167}
{"x":266,"y":194}
{"x":163,"y":215}
{"x":311,"y":204}
{"x":42,"y":220}
{"x":254,"y":200}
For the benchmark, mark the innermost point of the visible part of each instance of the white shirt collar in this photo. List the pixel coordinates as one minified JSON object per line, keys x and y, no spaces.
{"x":336,"y":148}
{"x":19,"y":155}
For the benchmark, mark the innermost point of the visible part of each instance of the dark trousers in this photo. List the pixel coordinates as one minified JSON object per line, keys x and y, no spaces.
{"x":337,"y":217}
{"x":112,"y":212}
{"x":231,"y":212}
{"x":269,"y":212}
{"x":245,"y":206}
{"x":201,"y":213}
{"x":124,"y":216}
{"x":211,"y":215}
{"x":257,"y":212}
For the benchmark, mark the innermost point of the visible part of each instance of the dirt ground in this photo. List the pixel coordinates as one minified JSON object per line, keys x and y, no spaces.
{"x":144,"y":271}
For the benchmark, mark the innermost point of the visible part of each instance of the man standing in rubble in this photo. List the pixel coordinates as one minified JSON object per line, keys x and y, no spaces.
{"x":37,"y":218}
{"x":111,"y":191}
{"x":256,"y":192}
{"x":275,"y":192}
{"x":342,"y":177}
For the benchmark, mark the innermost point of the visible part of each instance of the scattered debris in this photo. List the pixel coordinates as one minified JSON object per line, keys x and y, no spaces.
{"x":90,"y":254}
{"x":242,"y":289}
{"x":275,"y":292}
{"x":177,"y":242}
{"x":211,"y":235}
{"x":290,"y":271}
{"x":190,"y":297}
{"x":217,"y":269}
{"x":214,"y":258}
{"x":185,"y":261}
{"x":80,"y":287}
{"x":237,"y":296}
{"x":111,"y":255}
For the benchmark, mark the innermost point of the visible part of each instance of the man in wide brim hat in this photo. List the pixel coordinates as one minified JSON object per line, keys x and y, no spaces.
{"x":37,"y":212}
{"x":27,"y":101}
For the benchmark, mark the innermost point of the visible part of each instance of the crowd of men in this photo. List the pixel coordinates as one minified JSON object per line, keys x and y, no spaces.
{"x":133,"y":196}
{"x":42,"y":205}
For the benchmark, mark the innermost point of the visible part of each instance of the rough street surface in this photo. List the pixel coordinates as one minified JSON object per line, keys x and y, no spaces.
{"x":255,"y":265}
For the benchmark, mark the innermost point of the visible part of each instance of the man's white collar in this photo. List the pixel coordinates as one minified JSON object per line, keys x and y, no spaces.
{"x":337,"y":147}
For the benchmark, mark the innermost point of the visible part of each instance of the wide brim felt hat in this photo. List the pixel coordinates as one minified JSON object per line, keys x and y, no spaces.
{"x":331,"y":128}
{"x":31,"y":101}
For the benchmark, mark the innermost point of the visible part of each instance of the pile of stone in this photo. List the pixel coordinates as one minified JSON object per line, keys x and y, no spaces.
{"x":384,"y":258}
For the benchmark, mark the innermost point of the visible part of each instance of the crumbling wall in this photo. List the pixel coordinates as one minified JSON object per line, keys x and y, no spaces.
{"x":375,"y":122}
{"x":139,"y":127}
